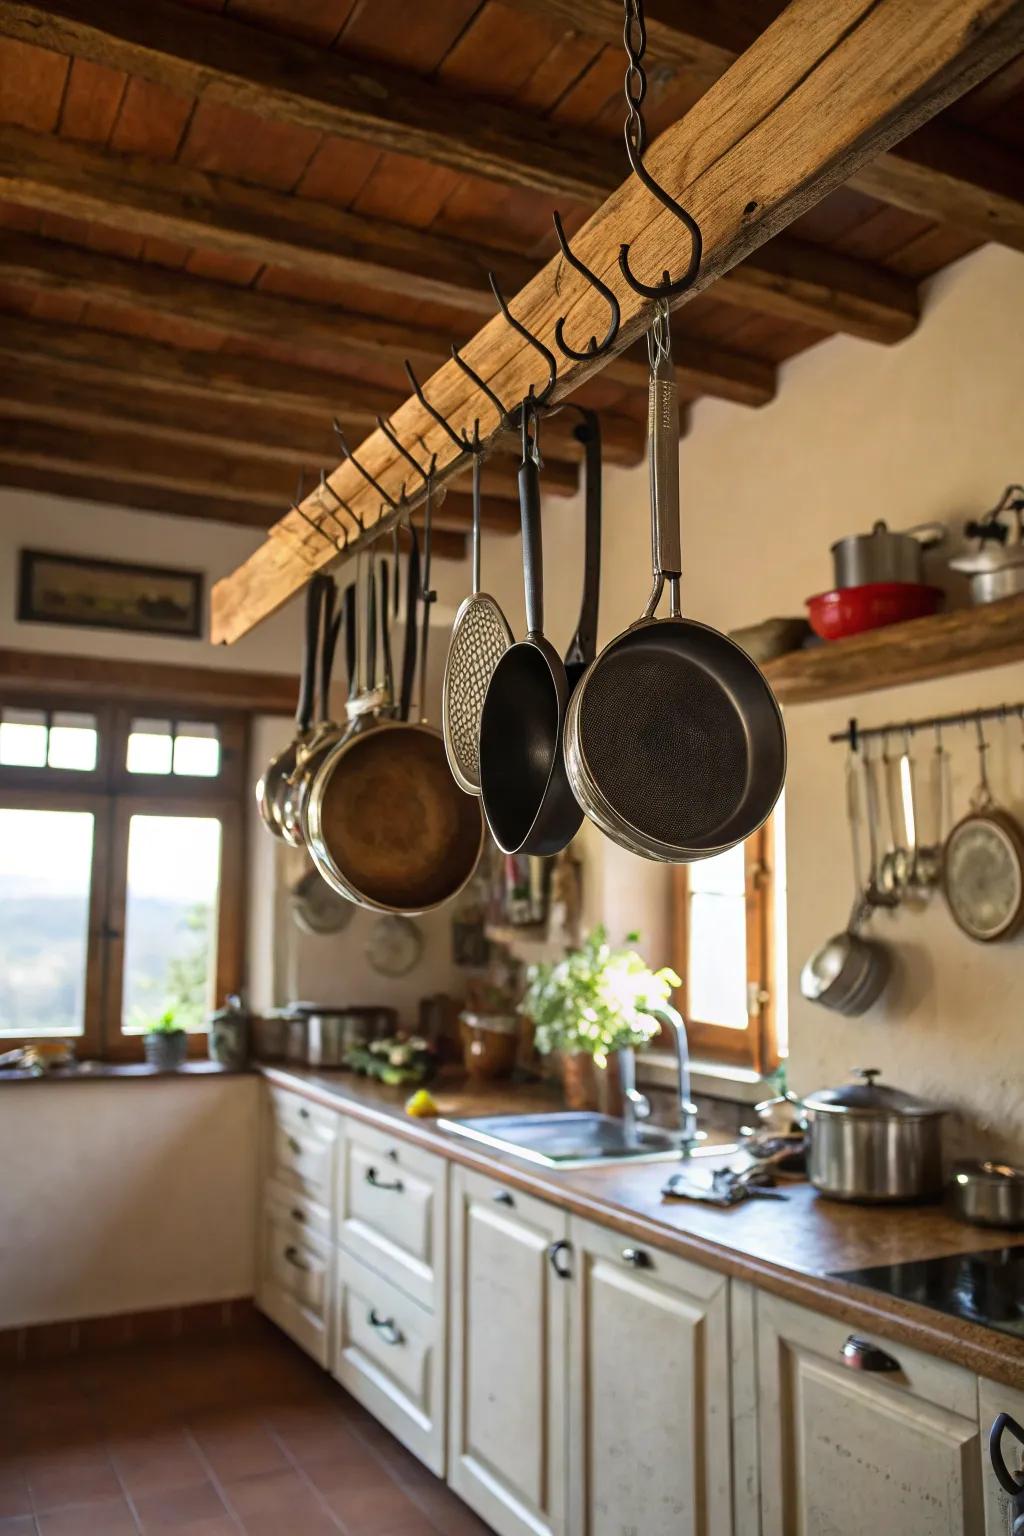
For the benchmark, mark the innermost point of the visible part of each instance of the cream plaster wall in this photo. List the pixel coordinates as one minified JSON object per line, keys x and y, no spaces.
{"x":122,"y":1196}
{"x":931,"y":428}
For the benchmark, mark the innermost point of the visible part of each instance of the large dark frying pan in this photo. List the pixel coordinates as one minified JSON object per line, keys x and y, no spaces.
{"x":311,"y":750}
{"x":389,"y":827}
{"x":273,"y":785}
{"x":526,"y":796}
{"x":583,"y":645}
{"x":674,"y":742}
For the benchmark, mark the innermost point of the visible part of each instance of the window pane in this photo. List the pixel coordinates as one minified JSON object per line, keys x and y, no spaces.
{"x":170,"y":951}
{"x":197,"y":750}
{"x":23,"y":738}
{"x":149,"y":747}
{"x":724,"y":874}
{"x":45,"y":872}
{"x":73,"y":741}
{"x":717,"y":972}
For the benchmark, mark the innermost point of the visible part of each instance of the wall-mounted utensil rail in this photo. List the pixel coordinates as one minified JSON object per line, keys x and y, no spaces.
{"x":820,"y":92}
{"x":856,"y":733}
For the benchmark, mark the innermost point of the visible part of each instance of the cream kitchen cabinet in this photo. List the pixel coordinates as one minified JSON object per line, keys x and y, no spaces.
{"x":507,"y":1385}
{"x":295,"y":1267}
{"x":649,"y":1414}
{"x":993,"y":1399}
{"x":847,"y":1451}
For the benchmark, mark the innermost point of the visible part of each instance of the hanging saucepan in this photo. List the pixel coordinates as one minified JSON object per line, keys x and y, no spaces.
{"x":674,"y":742}
{"x":272,"y":787}
{"x":388,"y":825}
{"x":526,"y":796}
{"x":325,"y":731}
{"x":583,"y":645}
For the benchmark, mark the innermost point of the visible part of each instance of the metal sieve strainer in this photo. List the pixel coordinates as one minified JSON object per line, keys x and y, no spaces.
{"x":480,"y":637}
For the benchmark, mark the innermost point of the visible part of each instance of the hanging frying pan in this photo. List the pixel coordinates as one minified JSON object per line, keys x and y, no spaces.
{"x":674,"y":742}
{"x":480,"y":637}
{"x":272,"y":787}
{"x":323,"y":732}
{"x":583,"y":645}
{"x":389,"y":827}
{"x":526,"y":795}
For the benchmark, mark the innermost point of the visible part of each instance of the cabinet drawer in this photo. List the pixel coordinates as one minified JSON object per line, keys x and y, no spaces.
{"x":294,"y":1281}
{"x":392,"y":1210}
{"x":300,"y":1151}
{"x":389,"y":1353}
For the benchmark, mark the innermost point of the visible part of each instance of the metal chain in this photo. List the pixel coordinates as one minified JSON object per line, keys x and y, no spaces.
{"x":634,"y":36}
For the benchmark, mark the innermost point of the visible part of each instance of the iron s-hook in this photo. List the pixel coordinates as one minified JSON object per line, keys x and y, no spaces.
{"x":635,"y":38}
{"x":528,"y":336}
{"x":593,"y":349}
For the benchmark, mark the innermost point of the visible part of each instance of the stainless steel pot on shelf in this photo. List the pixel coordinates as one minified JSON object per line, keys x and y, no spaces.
{"x":884,"y":554}
{"x":868,"y":1142}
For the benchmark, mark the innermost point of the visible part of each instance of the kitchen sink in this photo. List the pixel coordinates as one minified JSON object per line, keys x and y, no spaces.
{"x":575,"y":1139}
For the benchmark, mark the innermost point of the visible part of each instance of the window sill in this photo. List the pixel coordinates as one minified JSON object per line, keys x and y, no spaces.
{"x":132,"y":1071}
{"x":716,"y":1081}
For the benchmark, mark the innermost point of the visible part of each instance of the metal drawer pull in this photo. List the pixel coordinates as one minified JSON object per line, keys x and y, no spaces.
{"x":503,"y":1197}
{"x":386,"y":1327}
{"x":291,"y":1253}
{"x":555,"y":1255}
{"x":296,"y":1146}
{"x":372,"y":1177}
{"x":859,"y":1355}
{"x":638,"y":1257}
{"x":297,"y":1215}
{"x":303,"y":1112}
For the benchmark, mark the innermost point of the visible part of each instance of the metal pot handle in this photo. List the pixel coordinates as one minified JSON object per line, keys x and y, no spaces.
{"x":583,"y":646}
{"x":928,"y":535}
{"x":529,"y":514}
{"x":663,"y":452}
{"x":314,"y":603}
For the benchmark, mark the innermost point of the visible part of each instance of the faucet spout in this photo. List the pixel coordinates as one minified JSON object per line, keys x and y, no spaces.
{"x":672,"y":1019}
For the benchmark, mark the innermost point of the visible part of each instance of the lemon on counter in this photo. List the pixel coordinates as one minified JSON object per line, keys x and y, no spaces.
{"x":421,"y":1105}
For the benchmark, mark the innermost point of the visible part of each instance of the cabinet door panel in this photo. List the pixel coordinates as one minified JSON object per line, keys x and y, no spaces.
{"x":508,"y":1360}
{"x":392,"y":1210}
{"x":293,"y":1279}
{"x":649,"y":1411}
{"x":847,"y":1452}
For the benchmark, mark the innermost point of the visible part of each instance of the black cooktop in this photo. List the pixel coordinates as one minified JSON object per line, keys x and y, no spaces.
{"x":986,"y":1287}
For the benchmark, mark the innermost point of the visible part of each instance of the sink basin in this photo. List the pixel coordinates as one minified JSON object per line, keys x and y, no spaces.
{"x":571,"y":1139}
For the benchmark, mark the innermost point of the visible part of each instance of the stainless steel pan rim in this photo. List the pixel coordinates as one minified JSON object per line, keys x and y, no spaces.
{"x":325,"y":863}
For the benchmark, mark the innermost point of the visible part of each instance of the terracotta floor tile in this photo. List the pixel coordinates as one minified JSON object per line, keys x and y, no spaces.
{"x":179,"y":1509}
{"x":14,"y":1494}
{"x":152,"y":1463}
{"x":284,"y":1494}
{"x":105,"y":1517}
{"x":237,"y":1446}
{"x":72,"y":1477}
{"x":374,"y":1510}
{"x":343,"y":1463}
{"x":20,"y":1525}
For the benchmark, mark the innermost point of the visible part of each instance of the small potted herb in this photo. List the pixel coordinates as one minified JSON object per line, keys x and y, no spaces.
{"x":165,"y":1042}
{"x":397,"y":1060}
{"x":588,"y":1007}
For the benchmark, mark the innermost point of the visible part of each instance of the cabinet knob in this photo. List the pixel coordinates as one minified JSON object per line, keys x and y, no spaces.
{"x":638,"y":1257}
{"x":503,"y":1197}
{"x":374,"y":1178}
{"x":296,"y":1214}
{"x":859,"y":1355}
{"x":291,"y":1253}
{"x":295,"y":1145}
{"x":386,"y":1327}
{"x":303,"y":1112}
{"x":559,"y":1258}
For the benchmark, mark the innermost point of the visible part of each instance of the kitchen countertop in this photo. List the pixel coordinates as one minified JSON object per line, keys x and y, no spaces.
{"x":789,"y":1249}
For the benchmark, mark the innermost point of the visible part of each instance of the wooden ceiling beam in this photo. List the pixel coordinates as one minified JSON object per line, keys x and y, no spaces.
{"x":221,"y":380}
{"x":35,"y":394}
{"x":821,"y":92}
{"x":42,"y":674}
{"x":944,"y":173}
{"x":68,"y":481}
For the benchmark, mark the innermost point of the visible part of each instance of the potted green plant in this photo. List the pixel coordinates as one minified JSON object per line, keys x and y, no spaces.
{"x":165,"y":1042}
{"x":591,"y":1005}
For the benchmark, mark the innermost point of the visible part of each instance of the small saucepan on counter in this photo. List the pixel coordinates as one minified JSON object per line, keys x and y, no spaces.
{"x":868,"y":1142}
{"x":986,"y":1194}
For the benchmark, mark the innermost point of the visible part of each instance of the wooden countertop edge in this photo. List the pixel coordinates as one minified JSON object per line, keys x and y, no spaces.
{"x":985,"y":1351}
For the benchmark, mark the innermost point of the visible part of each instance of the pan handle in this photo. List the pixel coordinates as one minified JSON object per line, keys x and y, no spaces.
{"x":314,"y":602}
{"x":583,"y":646}
{"x":384,"y":577}
{"x":349,"y":609}
{"x":529,"y":513}
{"x":412,"y":596}
{"x":328,"y":640}
{"x":663,"y":448}
{"x":475,"y":540}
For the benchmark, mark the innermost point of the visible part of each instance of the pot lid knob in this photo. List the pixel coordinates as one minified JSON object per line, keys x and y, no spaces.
{"x":868,"y":1074}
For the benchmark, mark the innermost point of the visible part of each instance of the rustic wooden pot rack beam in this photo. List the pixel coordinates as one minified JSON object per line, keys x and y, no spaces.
{"x":818,"y":94}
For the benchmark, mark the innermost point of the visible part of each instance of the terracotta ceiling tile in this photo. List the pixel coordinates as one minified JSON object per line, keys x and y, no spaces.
{"x":64,"y":308}
{"x":92,"y":101}
{"x":151,"y":121}
{"x":406,"y":190}
{"x":338,"y":171}
{"x":227,"y":141}
{"x":165,"y":253}
{"x":409,"y":36}
{"x":223,"y":268}
{"x":31,"y":85}
{"x":312,"y":21}
{"x":496,"y":54}
{"x":17,"y":216}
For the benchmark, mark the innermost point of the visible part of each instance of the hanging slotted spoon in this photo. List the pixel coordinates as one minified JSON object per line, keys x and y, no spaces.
{"x":480,"y":637}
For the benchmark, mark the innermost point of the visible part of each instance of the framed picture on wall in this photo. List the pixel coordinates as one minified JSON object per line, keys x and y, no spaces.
{"x":107,"y":594}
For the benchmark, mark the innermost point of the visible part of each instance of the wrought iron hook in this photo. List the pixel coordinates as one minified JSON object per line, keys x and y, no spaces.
{"x":592,"y":348}
{"x":485,"y":389}
{"x":527,"y":335}
{"x":425,"y":474}
{"x":635,"y":133}
{"x":396,"y":506}
{"x":328,"y":488}
{"x":432,"y":411}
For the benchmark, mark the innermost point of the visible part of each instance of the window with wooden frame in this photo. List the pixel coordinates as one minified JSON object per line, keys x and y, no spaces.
{"x":723,"y":948}
{"x":121,"y":869}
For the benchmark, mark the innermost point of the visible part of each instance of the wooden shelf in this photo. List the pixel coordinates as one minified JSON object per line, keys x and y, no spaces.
{"x":965,"y":640}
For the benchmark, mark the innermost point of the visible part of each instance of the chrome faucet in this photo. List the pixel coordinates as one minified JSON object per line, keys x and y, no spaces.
{"x":637,"y":1107}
